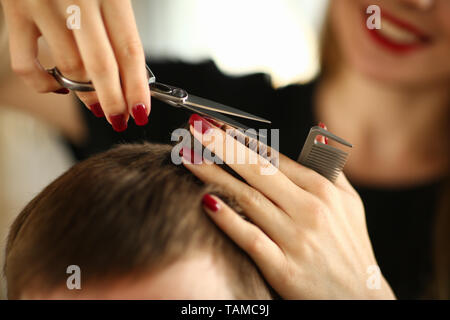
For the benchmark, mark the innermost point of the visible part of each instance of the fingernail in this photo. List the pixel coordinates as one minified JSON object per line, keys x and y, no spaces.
{"x":210,"y":203}
{"x":118,"y":122}
{"x":97,"y":110}
{"x":62,"y":91}
{"x":323,"y":126}
{"x":191,"y":156}
{"x":140,"y":114}
{"x":200,"y":124}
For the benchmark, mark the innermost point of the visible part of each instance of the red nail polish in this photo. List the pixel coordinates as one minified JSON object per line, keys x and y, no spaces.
{"x":210,"y":203}
{"x":140,"y":114}
{"x":62,"y":91}
{"x":200,"y":124}
{"x":118,"y":122}
{"x":323,"y":126}
{"x":191,"y":156}
{"x":97,"y":110}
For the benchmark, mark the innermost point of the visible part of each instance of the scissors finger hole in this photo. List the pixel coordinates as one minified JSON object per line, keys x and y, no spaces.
{"x":161,"y":87}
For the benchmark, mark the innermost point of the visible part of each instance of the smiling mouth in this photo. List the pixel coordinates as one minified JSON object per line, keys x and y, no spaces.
{"x":398,"y":36}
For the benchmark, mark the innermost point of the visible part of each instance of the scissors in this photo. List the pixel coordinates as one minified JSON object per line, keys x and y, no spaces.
{"x":175,"y":97}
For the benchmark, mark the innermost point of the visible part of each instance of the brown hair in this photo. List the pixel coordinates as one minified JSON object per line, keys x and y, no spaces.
{"x":120,"y":212}
{"x":439,"y":288}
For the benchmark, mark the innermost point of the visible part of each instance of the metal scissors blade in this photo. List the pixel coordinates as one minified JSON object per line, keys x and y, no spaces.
{"x":203,"y":103}
{"x":179,"y":97}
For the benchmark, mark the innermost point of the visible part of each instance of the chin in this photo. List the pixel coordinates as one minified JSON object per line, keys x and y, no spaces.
{"x":410,"y":71}
{"x":394,"y":74}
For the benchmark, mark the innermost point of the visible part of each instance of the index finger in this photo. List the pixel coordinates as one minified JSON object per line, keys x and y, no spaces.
{"x":223,"y":145}
{"x":302,"y":176}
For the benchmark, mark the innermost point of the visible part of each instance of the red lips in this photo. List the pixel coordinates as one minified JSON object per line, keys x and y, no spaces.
{"x":396,"y":47}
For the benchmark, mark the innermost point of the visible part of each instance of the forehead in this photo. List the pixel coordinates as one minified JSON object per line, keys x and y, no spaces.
{"x":196,"y":277}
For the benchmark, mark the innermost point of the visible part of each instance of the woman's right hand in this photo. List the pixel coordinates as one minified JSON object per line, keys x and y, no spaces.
{"x":106,"y":50}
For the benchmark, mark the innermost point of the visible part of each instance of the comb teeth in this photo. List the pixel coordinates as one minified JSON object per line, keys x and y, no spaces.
{"x":324,"y":159}
{"x":325,"y":162}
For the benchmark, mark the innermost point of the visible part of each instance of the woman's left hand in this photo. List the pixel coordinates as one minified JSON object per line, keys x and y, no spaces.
{"x":307,"y":235}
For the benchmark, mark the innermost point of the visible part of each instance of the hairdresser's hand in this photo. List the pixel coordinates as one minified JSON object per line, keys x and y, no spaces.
{"x":307,"y":236}
{"x":105,"y":49}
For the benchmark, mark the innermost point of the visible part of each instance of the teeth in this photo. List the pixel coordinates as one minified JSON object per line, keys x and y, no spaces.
{"x":397,"y":34}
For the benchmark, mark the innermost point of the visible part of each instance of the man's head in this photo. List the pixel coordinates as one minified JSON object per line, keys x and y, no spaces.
{"x":133,"y":223}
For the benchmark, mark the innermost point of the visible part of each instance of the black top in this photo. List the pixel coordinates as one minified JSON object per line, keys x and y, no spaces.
{"x":400,"y":221}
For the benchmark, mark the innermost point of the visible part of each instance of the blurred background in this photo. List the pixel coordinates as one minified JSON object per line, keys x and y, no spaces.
{"x":278,"y":37}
